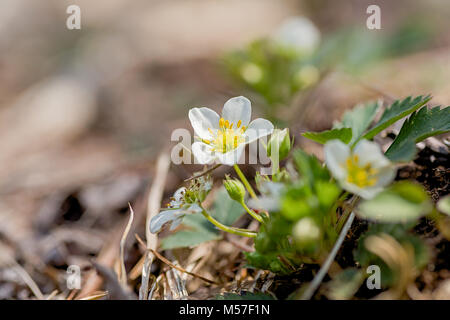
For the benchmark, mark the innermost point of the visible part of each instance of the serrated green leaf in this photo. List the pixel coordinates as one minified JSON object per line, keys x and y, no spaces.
{"x":198,"y":229}
{"x":395,"y":112}
{"x":358,"y":119}
{"x":419,"y":126}
{"x":401,"y":203}
{"x":343,"y":134}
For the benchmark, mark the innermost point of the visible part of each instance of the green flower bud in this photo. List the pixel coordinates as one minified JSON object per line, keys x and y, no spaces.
{"x":235,"y":189}
{"x":281,"y":141}
{"x":306,"y":231}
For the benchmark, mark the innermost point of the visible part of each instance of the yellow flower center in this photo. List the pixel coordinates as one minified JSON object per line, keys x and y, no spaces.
{"x":362,"y":176}
{"x":226,"y":138}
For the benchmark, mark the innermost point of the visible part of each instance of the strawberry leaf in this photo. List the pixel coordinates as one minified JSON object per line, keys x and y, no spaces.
{"x":395,"y":112}
{"x":419,"y":126}
{"x":343,"y":134}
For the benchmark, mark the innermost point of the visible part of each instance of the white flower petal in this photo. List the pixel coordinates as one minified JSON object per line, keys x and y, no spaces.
{"x":232,"y":157}
{"x":336,"y":154}
{"x":179,"y":194}
{"x":370,"y":152}
{"x":237,"y":109}
{"x":258,"y":128}
{"x":268,"y":203}
{"x":175,"y":223}
{"x":163,"y":218}
{"x":385,"y":176}
{"x":202,"y":119}
{"x":202,"y":153}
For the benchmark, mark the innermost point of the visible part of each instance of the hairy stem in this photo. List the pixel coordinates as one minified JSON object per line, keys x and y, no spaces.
{"x":236,"y":231}
{"x":251,"y":212}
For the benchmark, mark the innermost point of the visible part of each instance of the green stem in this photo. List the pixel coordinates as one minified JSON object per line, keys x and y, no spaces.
{"x":251,"y":212}
{"x":236,"y":231}
{"x":245,"y":182}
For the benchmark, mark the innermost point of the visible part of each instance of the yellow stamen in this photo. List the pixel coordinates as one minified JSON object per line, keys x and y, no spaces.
{"x":239,"y":123}
{"x":362,"y":176}
{"x":221,"y":122}
{"x":227,"y":124}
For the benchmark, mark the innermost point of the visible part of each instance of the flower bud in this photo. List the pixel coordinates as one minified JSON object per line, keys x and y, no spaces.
{"x":306,"y":231}
{"x":279,"y":140}
{"x":235,"y":189}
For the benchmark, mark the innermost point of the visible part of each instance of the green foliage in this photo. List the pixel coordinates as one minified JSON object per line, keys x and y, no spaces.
{"x":401,"y":234}
{"x":355,"y":49}
{"x":419,"y":126}
{"x":402,"y":202}
{"x":398,"y":110}
{"x":312,"y":195}
{"x":198,"y":229}
{"x":358,"y":119}
{"x":343,"y":134}
{"x":345,"y":284}
{"x":274,"y":74}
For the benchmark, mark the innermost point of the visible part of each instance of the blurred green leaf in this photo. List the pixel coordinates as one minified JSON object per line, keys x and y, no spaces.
{"x":345,"y":284}
{"x":401,"y":234}
{"x":398,"y":110}
{"x":343,"y":134}
{"x":359,"y":119}
{"x":419,"y":126}
{"x":402,"y":202}
{"x":198,"y":229}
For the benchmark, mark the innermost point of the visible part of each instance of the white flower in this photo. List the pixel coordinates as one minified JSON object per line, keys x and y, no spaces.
{"x":365,"y":171}
{"x":223,"y":139}
{"x":298,"y":33}
{"x":270,"y":196}
{"x":177,"y":209}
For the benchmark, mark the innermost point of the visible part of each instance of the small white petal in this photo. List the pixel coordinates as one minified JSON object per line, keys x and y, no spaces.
{"x":179,"y":194}
{"x":163,"y":218}
{"x":370,"y":152}
{"x":202,"y":119}
{"x":258,"y":128}
{"x":385,"y":176}
{"x":232,"y":157}
{"x":336,"y":154}
{"x":202,"y":153}
{"x":237,"y":109}
{"x":175,"y":223}
{"x":268,"y":203}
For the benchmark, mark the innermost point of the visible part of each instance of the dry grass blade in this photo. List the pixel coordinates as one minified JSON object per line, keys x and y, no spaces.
{"x":154,"y":204}
{"x":28,"y":280}
{"x":326,"y":265}
{"x":203,"y":173}
{"x":170,"y":264}
{"x":123,"y":272}
{"x":96,"y":296}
